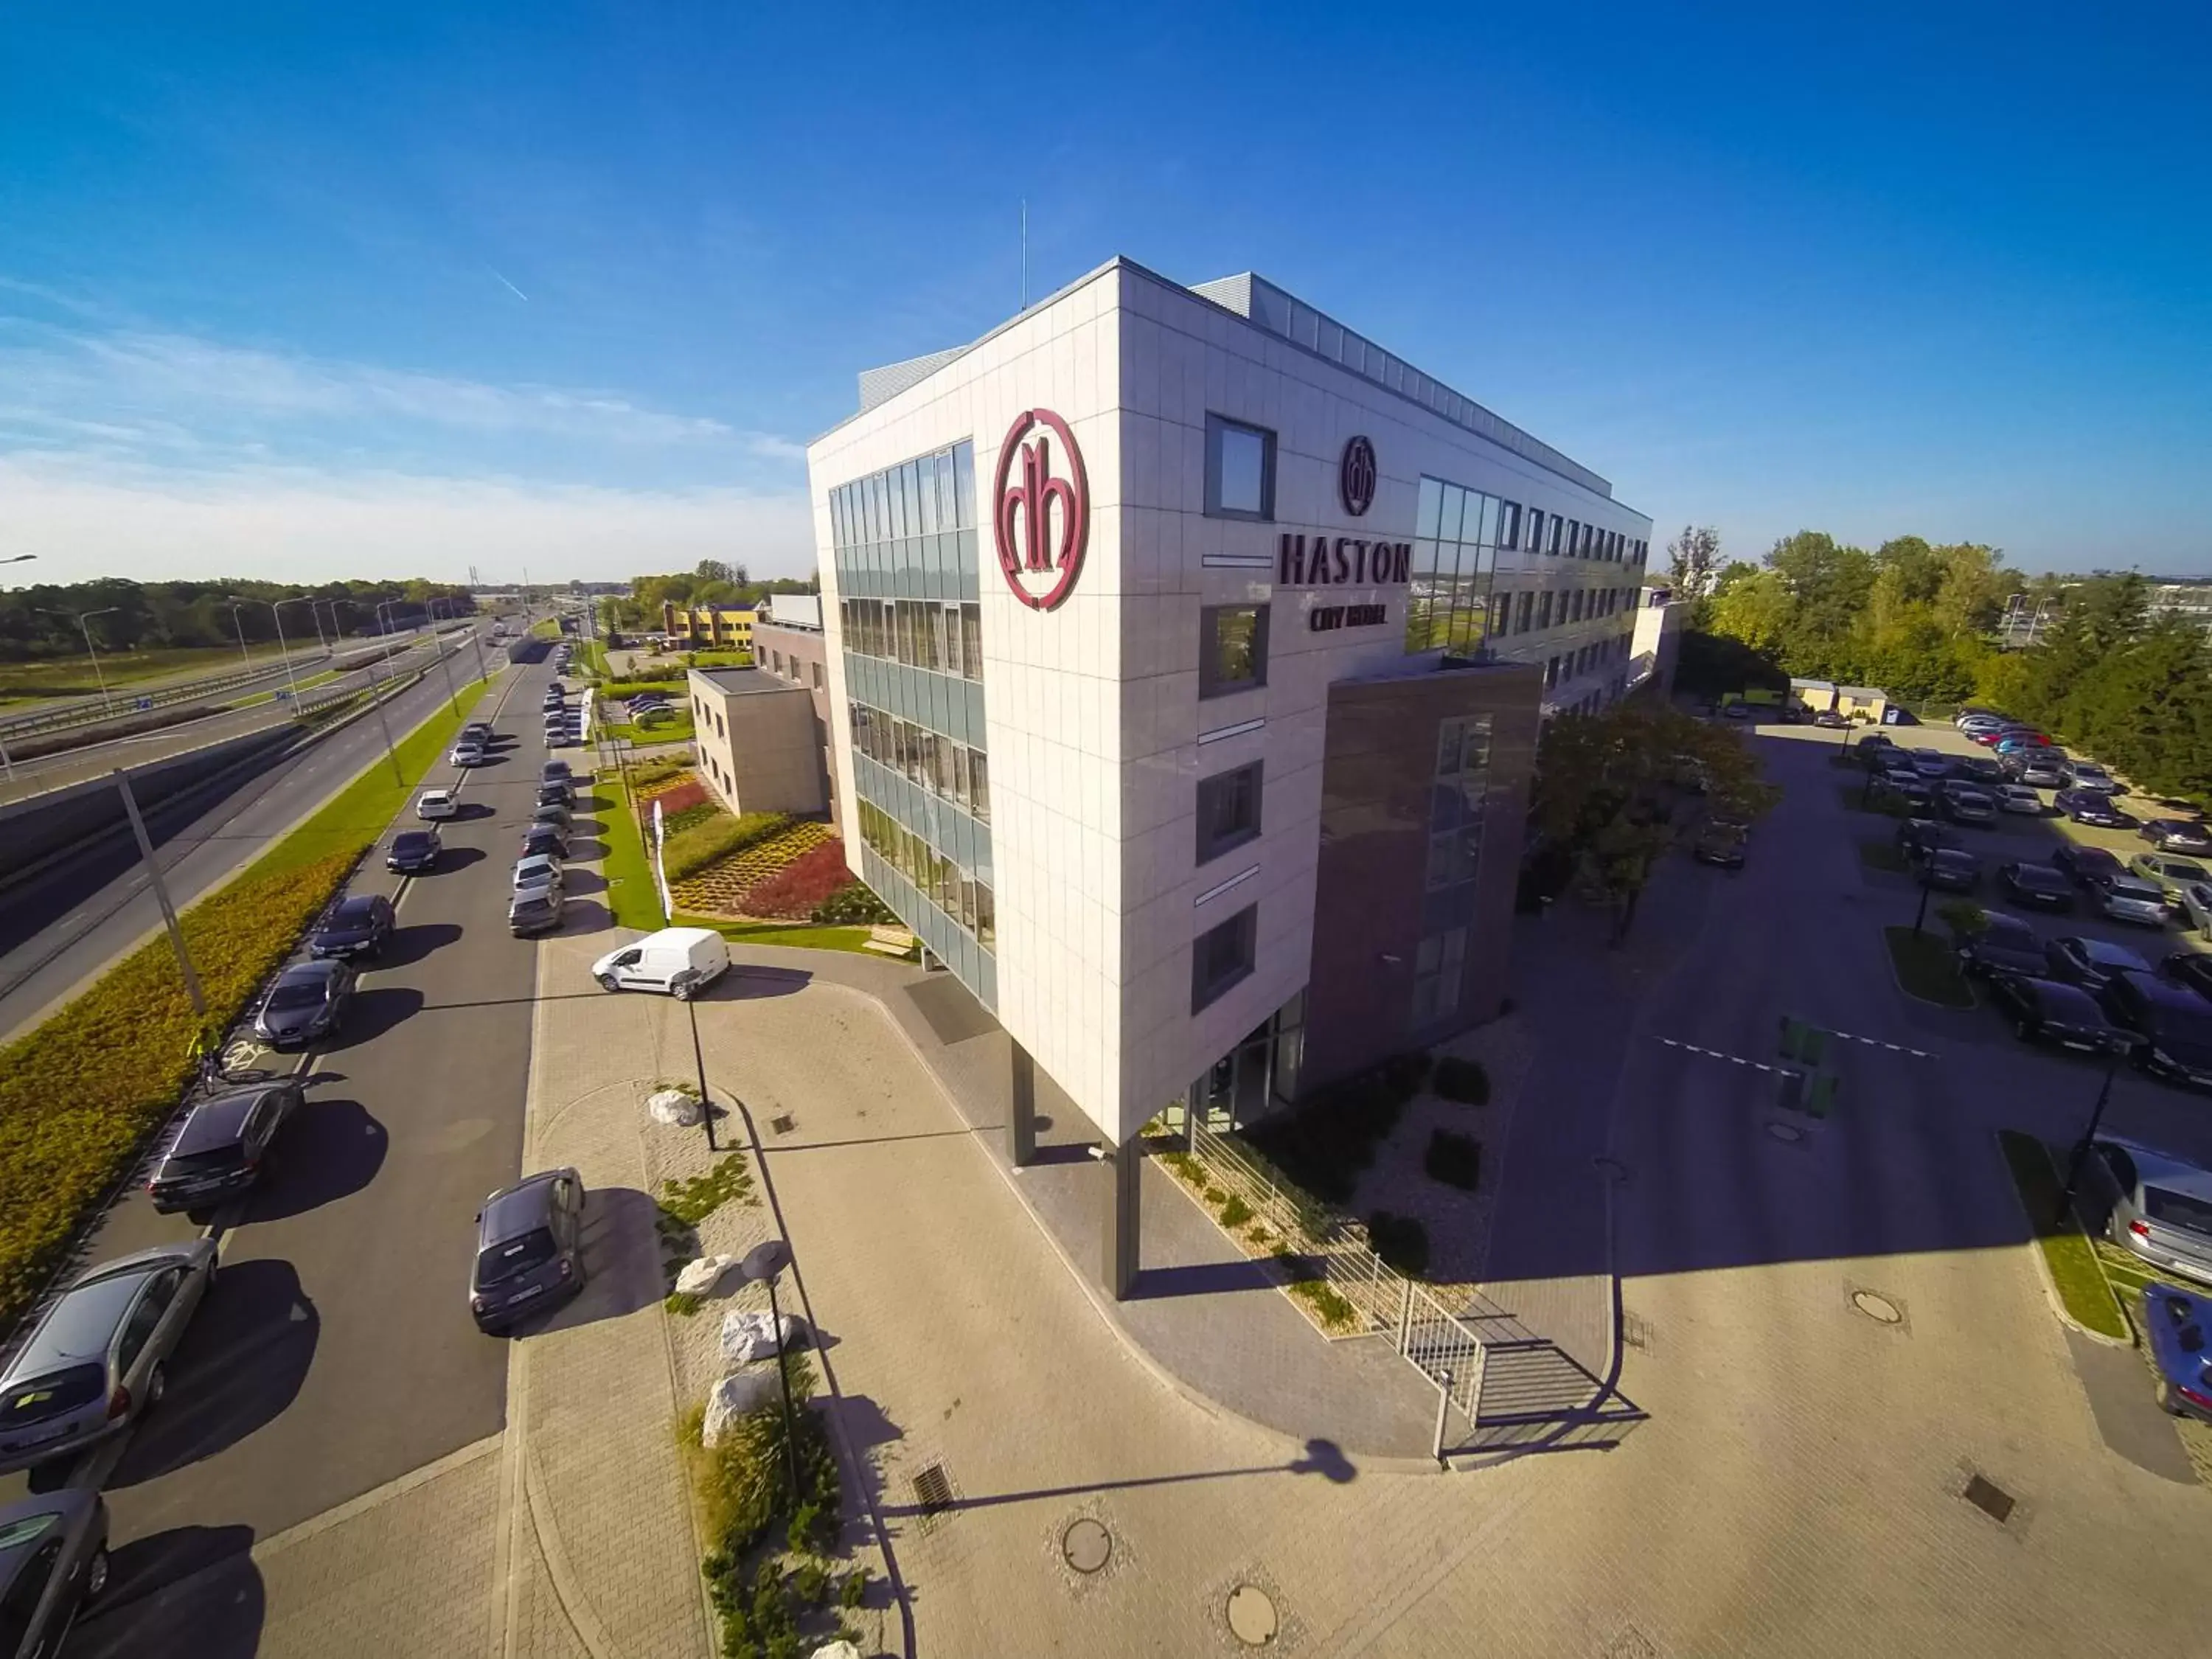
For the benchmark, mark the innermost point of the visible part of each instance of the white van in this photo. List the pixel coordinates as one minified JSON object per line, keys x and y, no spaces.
{"x":682,"y":961}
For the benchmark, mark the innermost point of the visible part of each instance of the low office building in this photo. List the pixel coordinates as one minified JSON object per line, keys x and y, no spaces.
{"x":721,"y":627}
{"x":1186,"y":655}
{"x":1655,"y":642}
{"x":758,"y":747}
{"x":788,"y":644}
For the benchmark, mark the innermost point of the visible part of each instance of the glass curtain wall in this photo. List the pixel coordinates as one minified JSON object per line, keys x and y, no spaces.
{"x":1457,"y":535}
{"x":905,"y":546}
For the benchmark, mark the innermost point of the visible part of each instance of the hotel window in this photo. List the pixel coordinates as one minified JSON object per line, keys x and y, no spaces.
{"x":1544,"y":610}
{"x":1559,"y":528}
{"x":1222,"y":955}
{"x":1528,"y":611}
{"x":815,"y":668}
{"x":1228,"y":810}
{"x":1509,"y":527}
{"x":1232,"y":648}
{"x":1576,"y":614}
{"x":1456,"y":533}
{"x":1240,"y":470}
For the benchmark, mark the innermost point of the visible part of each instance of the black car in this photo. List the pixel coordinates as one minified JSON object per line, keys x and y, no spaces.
{"x":2088,"y":807}
{"x":555,"y":794}
{"x":530,"y":1249}
{"x":535,"y":910}
{"x":2005,"y":945}
{"x":2178,"y":836}
{"x":222,"y":1148}
{"x":550,"y":839}
{"x":554,"y":771}
{"x":555,"y":813}
{"x":2042,"y":885}
{"x":2051,"y":1010}
{"x":1980,"y":770}
{"x":53,"y":1561}
{"x":2089,"y":963}
{"x":2189,"y":969}
{"x":1918,"y":838}
{"x":414,"y":851}
{"x":306,"y":1002}
{"x":2174,"y":1024}
{"x":2086,"y":864}
{"x":1952,"y":870}
{"x":356,"y":926}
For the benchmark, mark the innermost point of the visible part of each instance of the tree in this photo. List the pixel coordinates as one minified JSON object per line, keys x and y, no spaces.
{"x":712,"y":570}
{"x":1693,"y":556}
{"x":1611,"y":787}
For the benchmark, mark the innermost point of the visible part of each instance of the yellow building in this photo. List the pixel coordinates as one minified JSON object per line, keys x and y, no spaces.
{"x":717,"y":628}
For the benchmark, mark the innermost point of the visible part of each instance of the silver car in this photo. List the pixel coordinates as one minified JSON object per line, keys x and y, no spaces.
{"x":2125,"y":898}
{"x":53,"y":1560}
{"x":95,"y":1363}
{"x":2197,"y":906}
{"x":2152,"y":1203}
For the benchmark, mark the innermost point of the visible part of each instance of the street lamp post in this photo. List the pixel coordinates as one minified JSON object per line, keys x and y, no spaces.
{"x":82,"y":618}
{"x":437,"y":645}
{"x":765,"y":1262}
{"x":2088,"y":1134}
{"x":239,"y":622}
{"x":1920,"y":916}
{"x":283,"y":652}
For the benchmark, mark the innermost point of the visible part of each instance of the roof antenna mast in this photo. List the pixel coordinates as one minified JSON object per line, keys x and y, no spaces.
{"x":1025,"y":253}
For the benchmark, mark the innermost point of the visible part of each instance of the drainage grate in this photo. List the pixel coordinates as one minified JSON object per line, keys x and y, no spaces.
{"x":782,"y":1125}
{"x":933,"y":1490}
{"x":1989,"y":1499}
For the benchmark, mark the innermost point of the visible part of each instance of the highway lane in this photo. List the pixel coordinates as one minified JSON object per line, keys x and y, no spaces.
{"x":337,"y":1353}
{"x":67,"y":927}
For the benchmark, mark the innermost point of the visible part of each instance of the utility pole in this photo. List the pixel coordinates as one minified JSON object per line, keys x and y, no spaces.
{"x":83,"y":620}
{"x":2088,"y":1134}
{"x":161,"y":896}
{"x":438,"y":644}
{"x":238,"y":621}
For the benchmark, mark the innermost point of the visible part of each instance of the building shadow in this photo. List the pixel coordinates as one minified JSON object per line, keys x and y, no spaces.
{"x":239,"y":1365}
{"x":408,"y":945}
{"x":374,"y":1012}
{"x":331,"y":1149}
{"x":622,"y":1263}
{"x":186,"y":1593}
{"x":1203,"y":1279}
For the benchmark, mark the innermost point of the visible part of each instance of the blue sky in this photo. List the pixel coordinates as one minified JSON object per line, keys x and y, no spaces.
{"x":395,"y":290}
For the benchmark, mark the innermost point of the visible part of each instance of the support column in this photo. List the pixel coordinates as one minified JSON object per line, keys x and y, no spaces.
{"x":1124,"y":1165}
{"x":1021,"y":1117}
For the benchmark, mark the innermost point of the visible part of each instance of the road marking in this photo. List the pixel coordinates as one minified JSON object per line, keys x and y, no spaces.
{"x":1876,"y":1043}
{"x":1715,"y":1054}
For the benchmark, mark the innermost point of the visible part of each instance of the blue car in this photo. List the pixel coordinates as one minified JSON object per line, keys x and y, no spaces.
{"x":2180,"y":1326}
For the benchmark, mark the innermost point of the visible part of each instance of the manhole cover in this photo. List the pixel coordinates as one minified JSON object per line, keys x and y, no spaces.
{"x":1086,"y":1543}
{"x":1252,"y":1616}
{"x":1880,"y":1309}
{"x":1989,"y":1499}
{"x":781,"y":1123}
{"x":933,"y":1490}
{"x":1785,"y":1132}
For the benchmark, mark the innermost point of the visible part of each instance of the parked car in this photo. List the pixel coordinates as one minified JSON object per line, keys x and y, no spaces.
{"x":2019,"y":798}
{"x":2124,"y":898}
{"x":97,"y":1360}
{"x":356,"y":925}
{"x":2178,"y":1327}
{"x":538,"y":870}
{"x":414,"y":852}
{"x":434,"y":804}
{"x":1963,"y":804}
{"x":2005,"y":945}
{"x":682,"y":961}
{"x":478,"y":732}
{"x":530,"y":1250}
{"x":467,"y":754}
{"x":2088,"y":807}
{"x":535,"y":910}
{"x":2197,"y":907}
{"x":1720,"y":842}
{"x":1988,"y":736}
{"x":2154,"y":1204}
{"x":2174,"y":1023}
{"x":2033,"y":770}
{"x":2178,"y":836}
{"x":1918,"y":838}
{"x":54,"y":1563}
{"x":1907,"y":786}
{"x":1951,"y":870}
{"x":306,"y":1002}
{"x":1738,"y":711}
{"x":1931,"y":763}
{"x":2169,"y":875}
{"x":2085,"y":864}
{"x":2037,"y":884}
{"x":2088,"y":963}
{"x":557,"y":792}
{"x":547,"y":838}
{"x":555,"y":771}
{"x":1829,"y":720}
{"x":2052,"y":1011}
{"x":1980,"y":769}
{"x":1873,"y":743}
{"x":2085,"y":775}
{"x":222,"y":1148}
{"x":553,"y":812}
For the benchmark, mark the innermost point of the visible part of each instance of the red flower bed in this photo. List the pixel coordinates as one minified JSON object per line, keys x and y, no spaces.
{"x":690,"y":793}
{"x":801,"y":885}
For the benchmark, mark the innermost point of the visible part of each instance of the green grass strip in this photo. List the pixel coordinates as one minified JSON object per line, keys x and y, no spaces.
{"x":1878,"y":854}
{"x":2066,"y":1250}
{"x":632,"y":898}
{"x":791,"y":935}
{"x":1928,"y":967}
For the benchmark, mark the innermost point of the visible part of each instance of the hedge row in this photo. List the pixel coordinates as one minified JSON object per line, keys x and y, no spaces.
{"x":689,"y":851}
{"x":79,"y":1095}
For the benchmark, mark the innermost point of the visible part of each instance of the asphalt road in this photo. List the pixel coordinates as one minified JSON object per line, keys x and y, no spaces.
{"x":335,"y":1352}
{"x":60,"y":930}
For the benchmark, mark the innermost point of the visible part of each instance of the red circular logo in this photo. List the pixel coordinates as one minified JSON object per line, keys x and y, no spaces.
{"x":1355,"y":477}
{"x":1034,"y":542}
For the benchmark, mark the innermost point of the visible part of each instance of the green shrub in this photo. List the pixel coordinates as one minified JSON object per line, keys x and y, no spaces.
{"x":1463,"y":1080}
{"x":1324,"y":1145}
{"x":1405,"y":1072}
{"x":1453,"y":1160}
{"x":1236,"y":1213}
{"x":854,"y":1588}
{"x":694,"y":849}
{"x":1401,"y":1241}
{"x":855,"y":901}
{"x":691,"y":1201}
{"x":1963,"y":917}
{"x":1336,"y":1313}
{"x":697,"y":813}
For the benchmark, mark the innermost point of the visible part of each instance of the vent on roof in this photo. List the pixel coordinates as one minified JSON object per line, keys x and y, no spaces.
{"x":1989,"y":1499}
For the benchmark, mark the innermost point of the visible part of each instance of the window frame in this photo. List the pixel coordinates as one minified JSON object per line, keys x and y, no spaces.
{"x":1212,"y":843}
{"x":1216,"y":425}
{"x":1209,"y":683}
{"x":1207,"y":990}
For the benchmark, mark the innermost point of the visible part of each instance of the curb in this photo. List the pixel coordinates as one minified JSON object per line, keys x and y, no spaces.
{"x":2051,"y":1293}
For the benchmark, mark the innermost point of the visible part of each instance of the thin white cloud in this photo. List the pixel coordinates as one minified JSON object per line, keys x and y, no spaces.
{"x":86,"y":517}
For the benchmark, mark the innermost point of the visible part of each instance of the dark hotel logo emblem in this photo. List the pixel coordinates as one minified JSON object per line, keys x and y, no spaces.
{"x":1033,"y":540}
{"x":1355,"y":477}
